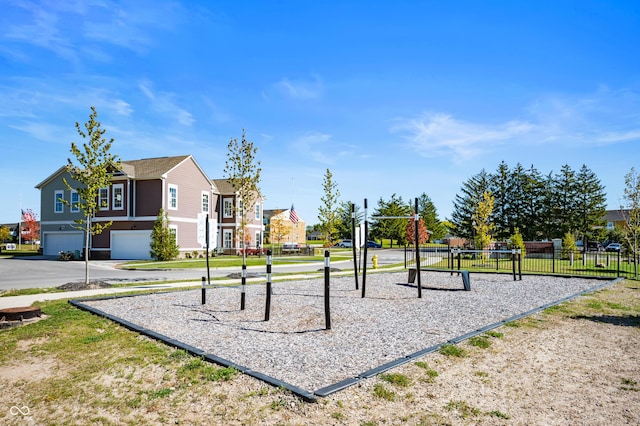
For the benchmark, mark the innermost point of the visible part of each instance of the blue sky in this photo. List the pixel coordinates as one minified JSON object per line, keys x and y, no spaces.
{"x":393,"y":97}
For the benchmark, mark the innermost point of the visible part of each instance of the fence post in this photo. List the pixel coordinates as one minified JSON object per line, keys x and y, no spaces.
{"x":327,"y":307}
{"x":267,"y":310}
{"x":618,"y":263}
{"x":458,"y":259}
{"x":553,"y":261}
{"x":513,"y":262}
{"x":520,"y":263}
{"x":204,"y":291}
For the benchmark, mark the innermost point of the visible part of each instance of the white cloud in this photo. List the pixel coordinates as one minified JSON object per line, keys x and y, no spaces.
{"x":601,"y":118}
{"x":437,"y":134}
{"x":163,"y":103}
{"x":300,"y":89}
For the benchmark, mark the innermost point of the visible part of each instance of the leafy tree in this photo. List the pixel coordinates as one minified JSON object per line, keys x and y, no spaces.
{"x":410,"y":233}
{"x":484,"y":226}
{"x":242,"y":169}
{"x":31,"y":225}
{"x":630,"y":209}
{"x":5,"y":233}
{"x":569,"y":245}
{"x":277,"y":230}
{"x":94,"y":169}
{"x":163,"y":241}
{"x":516,"y":242}
{"x":590,"y":206}
{"x":344,"y":218}
{"x":393,"y":229}
{"x":465,"y":204}
{"x":429,"y":215}
{"x":328,"y":213}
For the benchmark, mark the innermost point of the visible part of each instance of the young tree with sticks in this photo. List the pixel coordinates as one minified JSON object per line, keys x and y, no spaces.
{"x":93,"y":169}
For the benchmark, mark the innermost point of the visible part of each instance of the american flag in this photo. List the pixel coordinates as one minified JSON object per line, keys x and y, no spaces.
{"x":293,"y":216}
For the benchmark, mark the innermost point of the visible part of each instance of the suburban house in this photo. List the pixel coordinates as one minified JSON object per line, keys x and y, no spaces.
{"x":284,"y":230}
{"x":132,"y":202}
{"x":229,"y":218}
{"x":616,"y":219}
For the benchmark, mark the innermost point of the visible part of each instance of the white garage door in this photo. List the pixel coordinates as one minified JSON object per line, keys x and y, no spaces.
{"x":130,"y":245}
{"x":55,"y":242}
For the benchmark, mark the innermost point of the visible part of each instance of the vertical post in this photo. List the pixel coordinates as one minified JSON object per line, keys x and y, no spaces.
{"x":450,"y":261}
{"x":553,"y":261}
{"x":513,"y":262}
{"x":327,"y":307}
{"x":207,"y":240}
{"x":366,"y":238}
{"x":353,"y":242}
{"x":520,"y":263}
{"x":459,"y":251}
{"x":204,"y":292}
{"x":267,"y":310}
{"x":244,"y":286}
{"x":416,"y":223}
{"x":619,"y":263}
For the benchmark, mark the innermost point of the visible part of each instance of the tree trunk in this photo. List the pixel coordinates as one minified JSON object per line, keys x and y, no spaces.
{"x":86,"y":250}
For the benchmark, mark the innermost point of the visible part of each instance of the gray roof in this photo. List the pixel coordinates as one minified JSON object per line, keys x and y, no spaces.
{"x":151,"y":168}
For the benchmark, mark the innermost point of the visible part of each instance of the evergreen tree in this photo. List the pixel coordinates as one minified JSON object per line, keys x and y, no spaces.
{"x":328,"y":213}
{"x":532,"y":207}
{"x":163,"y":240}
{"x":590,"y":206}
{"x":429,"y":215}
{"x":565,"y":191}
{"x":393,"y":229}
{"x":465,"y":204}
{"x":501,"y":189}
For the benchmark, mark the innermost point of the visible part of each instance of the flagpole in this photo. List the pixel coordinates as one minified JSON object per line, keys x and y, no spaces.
{"x":20,"y":226}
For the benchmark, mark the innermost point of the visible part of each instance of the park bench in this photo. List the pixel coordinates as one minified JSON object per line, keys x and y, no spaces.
{"x":466,"y":281}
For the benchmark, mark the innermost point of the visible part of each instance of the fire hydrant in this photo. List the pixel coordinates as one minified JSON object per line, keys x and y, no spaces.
{"x":375,"y":261}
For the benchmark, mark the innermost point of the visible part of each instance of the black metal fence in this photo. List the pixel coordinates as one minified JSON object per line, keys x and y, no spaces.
{"x":548,"y":262}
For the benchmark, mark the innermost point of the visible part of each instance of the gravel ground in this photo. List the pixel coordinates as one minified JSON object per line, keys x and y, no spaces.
{"x":294,"y":346}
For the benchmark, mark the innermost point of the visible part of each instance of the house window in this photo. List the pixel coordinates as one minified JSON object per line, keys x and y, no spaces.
{"x":228,"y":239}
{"x":240,"y":208}
{"x":257,"y":211}
{"x":205,"y":202}
{"x":103,"y":198}
{"x":75,"y":201}
{"x":173,"y":197}
{"x":118,"y":195}
{"x":258,"y":239}
{"x":227,"y":207}
{"x":58,"y":203}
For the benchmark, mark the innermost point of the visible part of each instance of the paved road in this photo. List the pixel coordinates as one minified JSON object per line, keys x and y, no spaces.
{"x":40,"y":272}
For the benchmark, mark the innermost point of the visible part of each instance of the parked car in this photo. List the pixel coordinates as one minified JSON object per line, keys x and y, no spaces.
{"x":345,"y":244}
{"x":594,"y":246}
{"x":373,"y":244}
{"x":614,"y":247}
{"x":291,"y":247}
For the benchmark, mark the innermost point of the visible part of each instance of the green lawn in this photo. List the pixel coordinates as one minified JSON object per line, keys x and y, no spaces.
{"x":228,"y":261}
